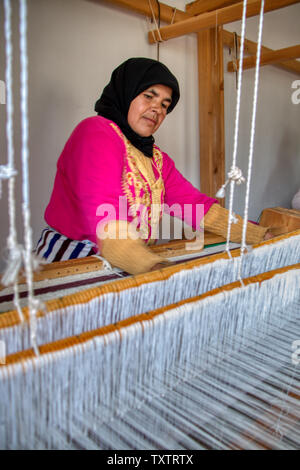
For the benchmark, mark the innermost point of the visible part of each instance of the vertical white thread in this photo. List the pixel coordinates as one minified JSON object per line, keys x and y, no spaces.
{"x":237,"y":118}
{"x":8,"y":78}
{"x":32,"y":303}
{"x":251,"y":146}
{"x":198,"y":364}
{"x":113,"y":307}
{"x":14,"y":249}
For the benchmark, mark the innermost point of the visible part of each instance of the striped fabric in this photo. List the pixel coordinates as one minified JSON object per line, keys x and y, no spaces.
{"x":52,"y":246}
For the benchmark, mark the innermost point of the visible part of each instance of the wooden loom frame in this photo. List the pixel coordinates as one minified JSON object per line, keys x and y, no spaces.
{"x":11,"y":318}
{"x":27,"y":357}
{"x":212,"y":154}
{"x":146,"y":316}
{"x":121,"y":285}
{"x":73,"y":342}
{"x":201,"y":16}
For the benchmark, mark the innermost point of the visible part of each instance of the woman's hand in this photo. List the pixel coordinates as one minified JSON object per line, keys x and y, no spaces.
{"x":268,"y":235}
{"x":162,"y":264}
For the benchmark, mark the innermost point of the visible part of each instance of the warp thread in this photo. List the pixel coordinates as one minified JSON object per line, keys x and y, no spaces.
{"x":146,"y":386}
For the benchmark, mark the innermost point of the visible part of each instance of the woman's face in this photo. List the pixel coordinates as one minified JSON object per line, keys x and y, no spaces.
{"x":148,"y":110}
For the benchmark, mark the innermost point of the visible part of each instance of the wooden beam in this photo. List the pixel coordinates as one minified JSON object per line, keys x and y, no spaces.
{"x":211,"y":110}
{"x":250,"y":48}
{"x":142,"y":7}
{"x":267,"y":58}
{"x":222,"y":16}
{"x":202,"y":6}
{"x":60,"y":269}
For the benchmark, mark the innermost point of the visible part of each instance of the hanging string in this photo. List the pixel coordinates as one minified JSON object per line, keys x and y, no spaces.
{"x":8,"y":171}
{"x":14,"y":261}
{"x":236,"y":175}
{"x":232,"y":175}
{"x":236,"y":53}
{"x":173,"y":16}
{"x":33,"y":303}
{"x":158,"y":44}
{"x":157,"y":26}
{"x":5,"y":174}
{"x":251,"y":147}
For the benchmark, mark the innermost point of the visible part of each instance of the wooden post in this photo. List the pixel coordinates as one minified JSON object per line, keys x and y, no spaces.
{"x":211,"y":110}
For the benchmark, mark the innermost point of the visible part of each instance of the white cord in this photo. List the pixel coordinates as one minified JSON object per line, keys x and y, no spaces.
{"x":6,"y":173}
{"x":174,"y":14}
{"x":236,"y":131}
{"x":33,"y":304}
{"x":14,"y":261}
{"x":251,"y":146}
{"x":236,"y":175}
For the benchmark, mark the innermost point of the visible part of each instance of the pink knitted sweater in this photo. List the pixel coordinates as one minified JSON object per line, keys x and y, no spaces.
{"x":89,"y":174}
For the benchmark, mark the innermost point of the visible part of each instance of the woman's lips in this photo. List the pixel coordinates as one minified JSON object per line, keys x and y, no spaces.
{"x":150,"y":120}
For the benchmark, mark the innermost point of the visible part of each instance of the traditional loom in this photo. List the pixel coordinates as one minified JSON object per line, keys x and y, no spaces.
{"x":194,"y":356}
{"x":199,"y":373}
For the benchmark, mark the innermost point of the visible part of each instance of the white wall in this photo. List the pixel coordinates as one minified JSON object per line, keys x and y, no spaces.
{"x":73,"y":47}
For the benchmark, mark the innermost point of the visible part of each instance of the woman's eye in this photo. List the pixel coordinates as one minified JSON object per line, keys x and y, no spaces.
{"x":148,"y":96}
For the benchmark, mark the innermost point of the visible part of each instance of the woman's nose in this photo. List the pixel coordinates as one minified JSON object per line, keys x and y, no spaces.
{"x":156,"y":107}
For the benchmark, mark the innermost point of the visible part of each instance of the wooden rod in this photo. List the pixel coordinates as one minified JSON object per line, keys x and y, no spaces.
{"x":202,"y":6}
{"x":222,"y":16}
{"x":251,"y":46}
{"x":61,"y":269}
{"x":267,"y":58}
{"x":143,"y":7}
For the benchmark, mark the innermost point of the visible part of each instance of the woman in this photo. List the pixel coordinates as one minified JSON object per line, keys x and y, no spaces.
{"x":113,"y":182}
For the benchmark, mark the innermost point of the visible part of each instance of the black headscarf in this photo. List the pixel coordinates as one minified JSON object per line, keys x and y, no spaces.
{"x":127,"y":81}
